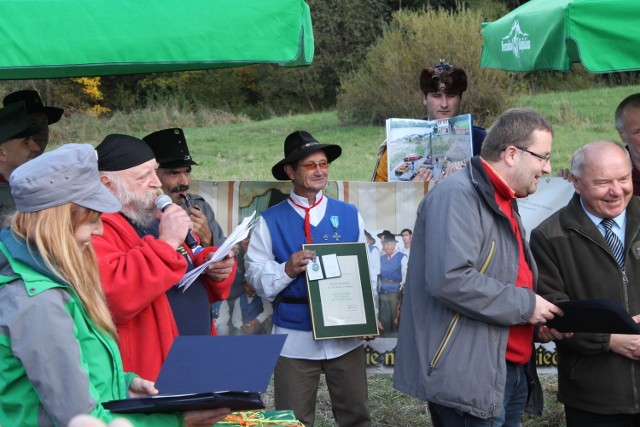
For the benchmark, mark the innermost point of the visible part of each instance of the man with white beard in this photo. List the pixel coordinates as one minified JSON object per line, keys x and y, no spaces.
{"x":141,"y":258}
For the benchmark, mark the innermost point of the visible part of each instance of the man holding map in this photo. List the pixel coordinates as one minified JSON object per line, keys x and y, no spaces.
{"x":442,"y":86}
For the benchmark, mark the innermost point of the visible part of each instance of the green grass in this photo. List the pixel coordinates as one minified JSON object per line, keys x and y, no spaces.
{"x":235,"y":148}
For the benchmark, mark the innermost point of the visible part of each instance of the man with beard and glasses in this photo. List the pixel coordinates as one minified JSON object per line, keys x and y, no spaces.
{"x":174,"y":171}
{"x":142,"y":258}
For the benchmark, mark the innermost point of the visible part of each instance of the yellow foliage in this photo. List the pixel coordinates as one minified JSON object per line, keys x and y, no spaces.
{"x":91,"y":88}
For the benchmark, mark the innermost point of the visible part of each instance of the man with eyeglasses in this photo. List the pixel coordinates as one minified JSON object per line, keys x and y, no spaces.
{"x":589,"y":249}
{"x":275,"y":266}
{"x":470,"y":311}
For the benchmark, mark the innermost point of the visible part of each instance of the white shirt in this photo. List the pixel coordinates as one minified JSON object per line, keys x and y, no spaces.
{"x":269,"y":279}
{"x":267,"y":310}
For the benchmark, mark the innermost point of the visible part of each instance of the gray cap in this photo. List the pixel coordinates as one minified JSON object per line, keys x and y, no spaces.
{"x":64,"y":175}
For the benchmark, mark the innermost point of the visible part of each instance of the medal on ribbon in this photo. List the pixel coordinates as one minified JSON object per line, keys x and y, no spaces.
{"x":335,"y":222}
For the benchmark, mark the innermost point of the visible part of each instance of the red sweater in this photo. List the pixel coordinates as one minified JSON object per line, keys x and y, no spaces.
{"x":519,"y":345}
{"x":135,"y":273}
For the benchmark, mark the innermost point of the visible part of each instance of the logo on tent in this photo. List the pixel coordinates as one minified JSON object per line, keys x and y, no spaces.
{"x":516,"y":41}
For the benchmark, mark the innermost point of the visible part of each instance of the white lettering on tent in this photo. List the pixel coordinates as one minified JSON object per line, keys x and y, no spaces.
{"x":516,"y":41}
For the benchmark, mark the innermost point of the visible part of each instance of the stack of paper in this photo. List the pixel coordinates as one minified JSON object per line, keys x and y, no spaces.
{"x":237,"y":235}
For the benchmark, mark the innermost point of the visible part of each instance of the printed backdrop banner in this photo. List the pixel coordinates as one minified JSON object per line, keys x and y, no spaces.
{"x":384,"y":206}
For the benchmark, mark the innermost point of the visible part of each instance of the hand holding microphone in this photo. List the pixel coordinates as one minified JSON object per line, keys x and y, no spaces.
{"x":175,"y":225}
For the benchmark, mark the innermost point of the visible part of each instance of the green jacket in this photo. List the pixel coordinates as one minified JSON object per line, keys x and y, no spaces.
{"x":55,"y":362}
{"x":575,"y":262}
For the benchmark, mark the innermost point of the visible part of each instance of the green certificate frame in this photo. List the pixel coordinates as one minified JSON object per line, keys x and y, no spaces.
{"x":342,"y":306}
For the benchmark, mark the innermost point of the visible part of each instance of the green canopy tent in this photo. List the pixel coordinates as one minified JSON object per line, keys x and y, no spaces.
{"x":551,"y":34}
{"x":66,"y":38}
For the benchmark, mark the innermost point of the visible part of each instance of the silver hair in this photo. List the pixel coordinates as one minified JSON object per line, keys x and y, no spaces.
{"x":578,"y":162}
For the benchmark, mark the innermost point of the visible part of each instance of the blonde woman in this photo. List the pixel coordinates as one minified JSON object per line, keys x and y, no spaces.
{"x":58,"y":349}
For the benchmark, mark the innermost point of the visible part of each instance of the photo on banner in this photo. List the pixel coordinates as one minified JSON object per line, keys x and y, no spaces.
{"x":389,"y":213}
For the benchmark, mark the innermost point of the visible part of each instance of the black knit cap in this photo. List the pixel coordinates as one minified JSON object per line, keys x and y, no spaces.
{"x":119,"y":152}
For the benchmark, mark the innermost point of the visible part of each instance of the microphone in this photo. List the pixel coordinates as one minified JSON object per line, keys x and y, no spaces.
{"x":162,"y":203}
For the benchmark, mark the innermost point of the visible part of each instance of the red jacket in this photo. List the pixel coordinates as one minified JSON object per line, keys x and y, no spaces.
{"x":135,"y":274}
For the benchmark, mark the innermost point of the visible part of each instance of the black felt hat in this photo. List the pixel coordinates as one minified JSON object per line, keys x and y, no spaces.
{"x":34,"y":104}
{"x":299,"y":145}
{"x":387,"y":236}
{"x":170,"y":148}
{"x":14,"y":122}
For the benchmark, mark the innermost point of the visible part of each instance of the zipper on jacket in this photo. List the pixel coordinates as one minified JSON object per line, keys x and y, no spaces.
{"x":456,"y":317}
{"x":444,"y":342}
{"x":492,"y":410}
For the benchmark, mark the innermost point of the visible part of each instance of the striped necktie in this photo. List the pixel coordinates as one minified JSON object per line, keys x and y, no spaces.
{"x":614,"y":243}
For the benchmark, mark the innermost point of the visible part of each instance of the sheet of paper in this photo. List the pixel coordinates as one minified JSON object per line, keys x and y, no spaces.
{"x":341,"y":297}
{"x":237,"y":235}
{"x":331,"y":266}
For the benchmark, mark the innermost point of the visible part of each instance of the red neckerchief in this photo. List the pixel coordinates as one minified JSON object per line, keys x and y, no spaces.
{"x":307,"y":220}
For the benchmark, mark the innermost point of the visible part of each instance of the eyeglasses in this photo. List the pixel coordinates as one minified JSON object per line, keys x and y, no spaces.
{"x":540,"y":156}
{"x":312,"y":166}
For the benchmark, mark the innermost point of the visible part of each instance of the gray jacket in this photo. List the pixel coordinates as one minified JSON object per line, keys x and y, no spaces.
{"x":460,"y":299}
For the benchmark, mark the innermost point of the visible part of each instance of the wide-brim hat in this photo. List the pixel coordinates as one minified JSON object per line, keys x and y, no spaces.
{"x":14,"y":122}
{"x":443,"y":77}
{"x":299,"y":145}
{"x":68,"y":174}
{"x":34,"y":104}
{"x":170,"y":148}
{"x":387,"y":236}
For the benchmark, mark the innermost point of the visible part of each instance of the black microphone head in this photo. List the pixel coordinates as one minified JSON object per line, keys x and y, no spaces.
{"x":163,"y":201}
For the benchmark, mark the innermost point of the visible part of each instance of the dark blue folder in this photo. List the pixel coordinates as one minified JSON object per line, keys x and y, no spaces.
{"x":204,"y":372}
{"x":601,"y":315}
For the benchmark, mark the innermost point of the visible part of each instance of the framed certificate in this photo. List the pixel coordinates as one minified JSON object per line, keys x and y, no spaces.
{"x":340,"y":294}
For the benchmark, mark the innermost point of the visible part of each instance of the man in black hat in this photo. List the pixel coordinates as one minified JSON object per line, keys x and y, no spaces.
{"x":16,"y":148}
{"x":393,"y":273}
{"x":142,"y":259}
{"x":442,"y":86}
{"x":39,"y":114}
{"x":174,"y":170}
{"x":276,"y":265}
